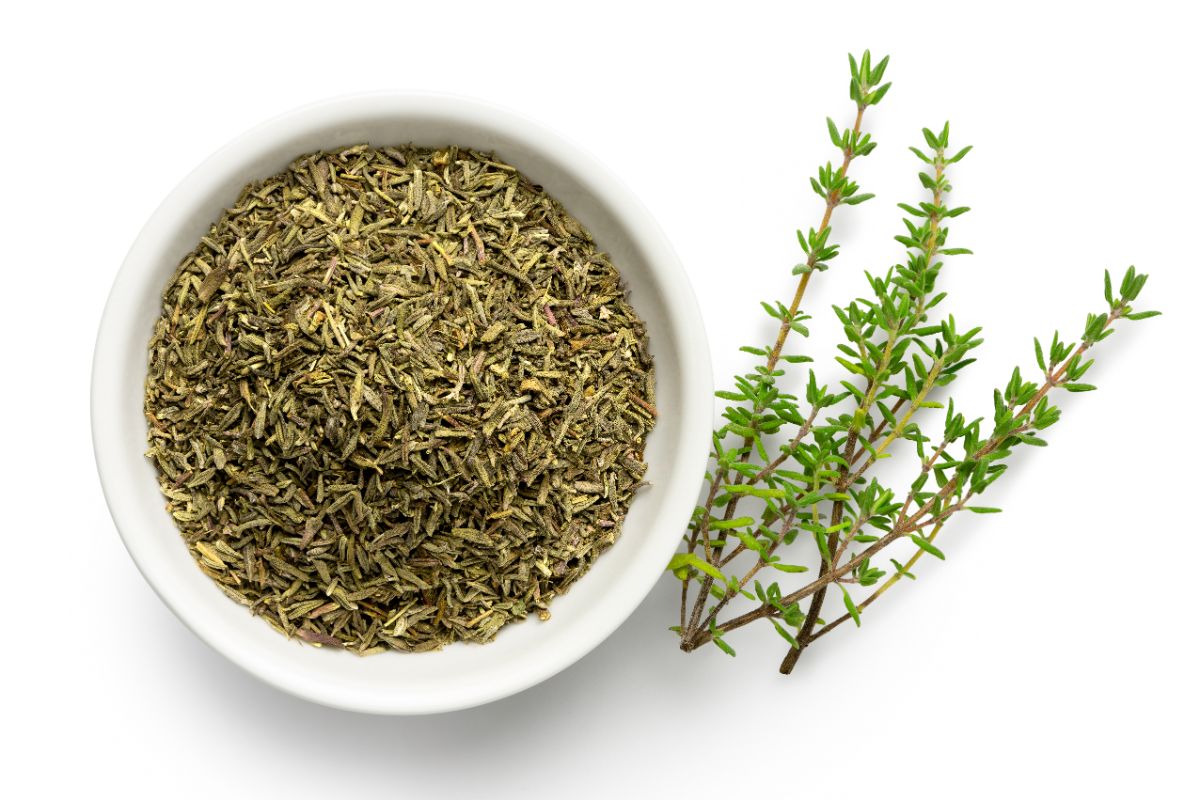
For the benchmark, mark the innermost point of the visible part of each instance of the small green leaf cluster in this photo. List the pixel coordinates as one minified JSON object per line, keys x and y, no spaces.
{"x":865,"y":88}
{"x":816,"y":246}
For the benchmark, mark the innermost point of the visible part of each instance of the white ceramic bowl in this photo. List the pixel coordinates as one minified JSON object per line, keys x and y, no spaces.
{"x":525,"y":653}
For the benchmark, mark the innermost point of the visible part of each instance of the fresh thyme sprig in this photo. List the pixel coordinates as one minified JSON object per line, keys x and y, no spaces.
{"x":895,"y":358}
{"x":763,"y":410}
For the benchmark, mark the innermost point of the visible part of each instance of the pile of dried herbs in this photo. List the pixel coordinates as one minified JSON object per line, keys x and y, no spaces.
{"x":396,"y":398}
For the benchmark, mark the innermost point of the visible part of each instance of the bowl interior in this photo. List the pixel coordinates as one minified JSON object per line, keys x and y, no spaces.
{"x":523,"y":653}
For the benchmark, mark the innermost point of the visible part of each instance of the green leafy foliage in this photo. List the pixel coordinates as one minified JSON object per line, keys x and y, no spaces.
{"x":796,"y":461}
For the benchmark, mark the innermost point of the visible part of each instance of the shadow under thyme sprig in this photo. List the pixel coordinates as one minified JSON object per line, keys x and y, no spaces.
{"x":817,"y":484}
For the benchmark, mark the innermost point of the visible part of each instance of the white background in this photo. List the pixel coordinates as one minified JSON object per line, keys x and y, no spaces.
{"x":1053,"y":653}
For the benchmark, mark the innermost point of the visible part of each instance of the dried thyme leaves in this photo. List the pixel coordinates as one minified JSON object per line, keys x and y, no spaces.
{"x":396,"y":399}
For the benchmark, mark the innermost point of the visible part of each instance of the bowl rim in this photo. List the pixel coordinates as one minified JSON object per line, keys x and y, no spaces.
{"x":682,"y":316}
